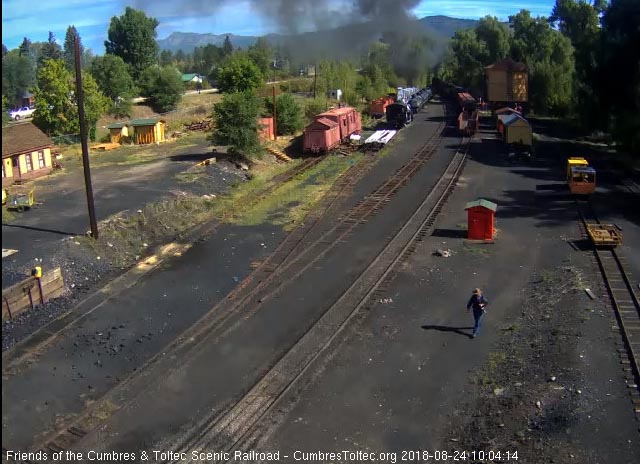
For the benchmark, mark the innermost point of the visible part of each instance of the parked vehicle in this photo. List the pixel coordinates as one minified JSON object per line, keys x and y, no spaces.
{"x":21,"y":113}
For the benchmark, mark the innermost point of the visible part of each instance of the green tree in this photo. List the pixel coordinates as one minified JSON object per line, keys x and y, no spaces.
{"x":549,"y":56}
{"x":25,"y":47}
{"x":239,"y":74}
{"x":620,"y":72}
{"x":261,"y":54}
{"x":289,"y":115}
{"x":166,"y":58}
{"x":113,"y":78}
{"x":162,"y":86}
{"x":227,"y":47}
{"x":56,"y":105}
{"x":236,"y":120}
{"x":50,"y":50}
{"x":69,"y":48}
{"x":5,"y":107}
{"x":578,"y":20}
{"x":132,"y":37}
{"x":17,"y":76}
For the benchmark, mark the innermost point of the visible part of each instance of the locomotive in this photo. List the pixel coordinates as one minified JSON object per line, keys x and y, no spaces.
{"x":399,"y":114}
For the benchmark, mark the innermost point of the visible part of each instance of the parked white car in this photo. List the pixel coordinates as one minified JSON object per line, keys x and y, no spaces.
{"x":21,"y":113}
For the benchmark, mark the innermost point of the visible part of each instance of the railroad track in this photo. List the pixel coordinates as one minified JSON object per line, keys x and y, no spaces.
{"x":240,"y":427}
{"x":19,"y":354}
{"x":624,"y":299}
{"x":263,"y":283}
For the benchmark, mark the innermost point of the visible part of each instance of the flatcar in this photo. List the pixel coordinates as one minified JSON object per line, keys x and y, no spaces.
{"x":399,"y":115}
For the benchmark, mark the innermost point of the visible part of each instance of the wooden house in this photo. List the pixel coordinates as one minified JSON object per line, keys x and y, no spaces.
{"x":507,"y":81}
{"x":26,"y":153}
{"x":118,"y":131}
{"x":147,"y":131}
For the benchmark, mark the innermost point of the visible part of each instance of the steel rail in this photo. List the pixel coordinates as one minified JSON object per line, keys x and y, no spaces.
{"x":228,"y":431}
{"x":191,"y":338}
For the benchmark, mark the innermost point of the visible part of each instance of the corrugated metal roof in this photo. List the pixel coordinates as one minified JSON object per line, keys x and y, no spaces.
{"x":512,"y":118}
{"x":23,"y":138}
{"x":189,"y":77}
{"x":116,"y":125}
{"x":484,"y":203}
{"x":145,"y":122}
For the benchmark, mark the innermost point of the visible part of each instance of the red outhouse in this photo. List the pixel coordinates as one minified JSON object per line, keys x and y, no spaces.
{"x":480,"y":219}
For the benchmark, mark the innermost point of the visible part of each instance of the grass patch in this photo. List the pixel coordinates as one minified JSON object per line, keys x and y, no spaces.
{"x":477,"y":250}
{"x":491,"y":369}
{"x":288,"y":204}
{"x":8,"y":215}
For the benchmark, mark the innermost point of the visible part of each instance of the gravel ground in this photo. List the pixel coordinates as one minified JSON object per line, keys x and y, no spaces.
{"x":83,"y":273}
{"x":538,"y":395}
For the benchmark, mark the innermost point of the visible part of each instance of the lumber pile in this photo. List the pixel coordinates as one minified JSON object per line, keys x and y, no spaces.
{"x":205,"y":124}
{"x":278,"y":154}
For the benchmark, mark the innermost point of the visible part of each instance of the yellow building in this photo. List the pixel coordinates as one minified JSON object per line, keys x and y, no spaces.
{"x":26,"y":153}
{"x":148,"y":130}
{"x":118,"y":131}
{"x":517,"y":130}
{"x":507,"y":81}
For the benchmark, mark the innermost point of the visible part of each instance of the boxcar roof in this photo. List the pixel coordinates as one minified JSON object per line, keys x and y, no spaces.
{"x":507,"y":65}
{"x":323,"y":122}
{"x":337,"y":111}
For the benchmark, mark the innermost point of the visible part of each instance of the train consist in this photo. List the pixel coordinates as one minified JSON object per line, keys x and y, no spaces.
{"x":331,"y":128}
{"x":400,"y":113}
{"x":336,"y":126}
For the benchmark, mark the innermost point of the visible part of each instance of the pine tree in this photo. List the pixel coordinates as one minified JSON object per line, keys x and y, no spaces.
{"x":69,"y":48}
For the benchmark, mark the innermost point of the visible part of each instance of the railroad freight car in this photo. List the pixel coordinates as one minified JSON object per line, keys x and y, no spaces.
{"x":321,"y":135}
{"x":347,"y":118}
{"x":331,"y":128}
{"x":507,"y":83}
{"x":378,"y":107}
{"x":468,"y":122}
{"x":399,"y":115}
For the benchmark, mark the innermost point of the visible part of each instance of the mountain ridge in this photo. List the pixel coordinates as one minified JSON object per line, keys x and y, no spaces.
{"x":439,"y":27}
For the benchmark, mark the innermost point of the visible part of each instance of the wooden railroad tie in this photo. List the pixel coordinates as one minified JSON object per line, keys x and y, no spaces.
{"x":278,"y":154}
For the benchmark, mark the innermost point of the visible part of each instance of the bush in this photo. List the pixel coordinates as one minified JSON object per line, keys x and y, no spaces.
{"x":163,"y":87}
{"x":236,"y":121}
{"x":289,"y":115}
{"x":314,"y":107}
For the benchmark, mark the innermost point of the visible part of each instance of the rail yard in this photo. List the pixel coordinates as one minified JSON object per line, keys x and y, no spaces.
{"x":364,"y":232}
{"x":350,"y":334}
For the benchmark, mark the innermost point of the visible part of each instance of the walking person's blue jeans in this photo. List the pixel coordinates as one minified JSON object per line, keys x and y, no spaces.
{"x":477,"y":315}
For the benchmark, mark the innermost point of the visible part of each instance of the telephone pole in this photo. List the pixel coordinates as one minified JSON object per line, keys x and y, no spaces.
{"x":83,"y":141}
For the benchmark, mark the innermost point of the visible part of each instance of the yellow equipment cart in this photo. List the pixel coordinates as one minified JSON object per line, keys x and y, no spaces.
{"x":582,"y":180}
{"x":575,"y":162}
{"x":21,"y":201}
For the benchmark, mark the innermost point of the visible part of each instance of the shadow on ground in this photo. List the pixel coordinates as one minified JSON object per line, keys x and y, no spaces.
{"x":445,"y":328}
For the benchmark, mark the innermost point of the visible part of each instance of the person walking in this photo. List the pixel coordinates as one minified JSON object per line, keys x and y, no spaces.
{"x":477,"y":302}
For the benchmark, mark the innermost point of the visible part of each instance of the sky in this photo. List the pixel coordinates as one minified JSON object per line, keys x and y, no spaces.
{"x":91,"y":18}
